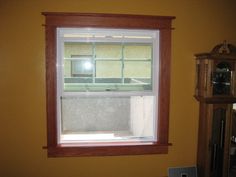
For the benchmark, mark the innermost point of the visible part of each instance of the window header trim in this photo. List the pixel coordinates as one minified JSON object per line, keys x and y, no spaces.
{"x":126,"y":21}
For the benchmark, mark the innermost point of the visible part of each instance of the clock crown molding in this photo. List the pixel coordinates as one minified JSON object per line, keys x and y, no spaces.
{"x":223,"y":50}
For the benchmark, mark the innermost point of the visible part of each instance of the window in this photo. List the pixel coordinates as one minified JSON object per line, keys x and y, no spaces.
{"x":107,"y":85}
{"x":108,"y":80}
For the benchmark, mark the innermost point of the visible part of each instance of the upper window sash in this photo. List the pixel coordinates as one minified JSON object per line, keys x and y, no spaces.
{"x":150,"y":37}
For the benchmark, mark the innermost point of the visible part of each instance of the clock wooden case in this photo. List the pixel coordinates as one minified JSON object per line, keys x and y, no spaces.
{"x":216,"y":92}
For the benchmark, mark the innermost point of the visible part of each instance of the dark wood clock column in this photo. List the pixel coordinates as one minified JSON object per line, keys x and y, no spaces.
{"x":216,"y":93}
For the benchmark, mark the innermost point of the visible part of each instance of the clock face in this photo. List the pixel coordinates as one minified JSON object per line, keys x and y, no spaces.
{"x":221,"y":79}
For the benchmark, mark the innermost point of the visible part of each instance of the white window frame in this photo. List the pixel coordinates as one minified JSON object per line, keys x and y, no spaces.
{"x":62,"y":37}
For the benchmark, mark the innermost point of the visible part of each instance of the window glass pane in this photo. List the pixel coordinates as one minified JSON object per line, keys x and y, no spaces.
{"x":67,"y":68}
{"x":108,"y":51}
{"x":137,"y":69}
{"x":138,"y":74}
{"x":82,"y":68}
{"x":138,"y":52}
{"x":109,"y":118}
{"x":108,"y":69}
{"x":76,"y":48}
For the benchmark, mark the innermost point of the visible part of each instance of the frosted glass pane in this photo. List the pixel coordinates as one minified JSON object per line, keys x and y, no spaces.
{"x":95,"y":114}
{"x":114,"y":118}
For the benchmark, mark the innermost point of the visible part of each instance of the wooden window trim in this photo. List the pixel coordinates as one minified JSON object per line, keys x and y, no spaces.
{"x":161,"y":23}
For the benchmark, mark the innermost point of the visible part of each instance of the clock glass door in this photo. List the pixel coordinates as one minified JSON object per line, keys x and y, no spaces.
{"x":221,"y":79}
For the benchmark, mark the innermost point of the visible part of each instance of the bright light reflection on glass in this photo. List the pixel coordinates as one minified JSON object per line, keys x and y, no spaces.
{"x":87,"y":65}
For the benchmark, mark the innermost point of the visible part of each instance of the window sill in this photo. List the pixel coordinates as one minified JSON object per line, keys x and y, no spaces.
{"x":67,"y":150}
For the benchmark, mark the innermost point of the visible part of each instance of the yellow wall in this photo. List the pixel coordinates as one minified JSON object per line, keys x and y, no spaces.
{"x":200,"y":24}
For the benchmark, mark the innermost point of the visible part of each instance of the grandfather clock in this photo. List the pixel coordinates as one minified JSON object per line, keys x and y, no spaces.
{"x":216,"y":92}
